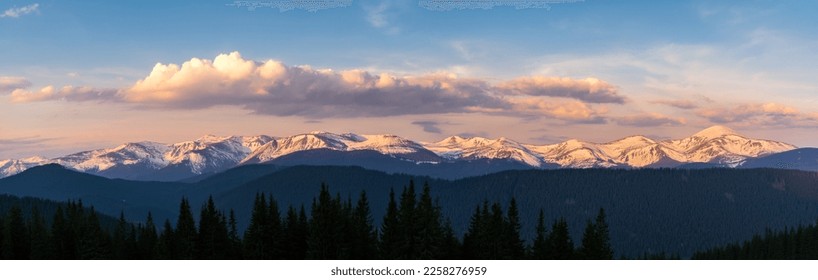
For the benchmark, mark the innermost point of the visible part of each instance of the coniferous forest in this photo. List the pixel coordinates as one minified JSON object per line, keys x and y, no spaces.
{"x":335,"y":228}
{"x":330,"y":228}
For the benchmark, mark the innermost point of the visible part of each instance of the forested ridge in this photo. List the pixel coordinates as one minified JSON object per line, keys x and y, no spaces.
{"x":793,"y":243}
{"x":649,"y":212}
{"x":335,"y":228}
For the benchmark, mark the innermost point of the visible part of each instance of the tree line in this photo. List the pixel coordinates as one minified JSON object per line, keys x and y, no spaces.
{"x":334,"y":228}
{"x":799,"y":243}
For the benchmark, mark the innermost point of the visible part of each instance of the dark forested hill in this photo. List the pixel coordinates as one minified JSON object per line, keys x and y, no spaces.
{"x":649,"y":211}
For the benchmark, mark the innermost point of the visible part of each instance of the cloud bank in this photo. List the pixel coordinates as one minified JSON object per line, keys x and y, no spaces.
{"x":760,"y":115}
{"x":273,"y":88}
{"x":589,"y":90}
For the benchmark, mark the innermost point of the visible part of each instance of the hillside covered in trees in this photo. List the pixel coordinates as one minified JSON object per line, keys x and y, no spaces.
{"x":650,"y":211}
{"x":413,"y":228}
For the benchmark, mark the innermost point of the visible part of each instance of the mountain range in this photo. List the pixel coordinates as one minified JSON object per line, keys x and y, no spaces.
{"x":453,"y":157}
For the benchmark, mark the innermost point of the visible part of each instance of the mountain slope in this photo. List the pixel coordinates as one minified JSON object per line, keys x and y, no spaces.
{"x":385,"y":144}
{"x":109,"y":196}
{"x":800,"y":159}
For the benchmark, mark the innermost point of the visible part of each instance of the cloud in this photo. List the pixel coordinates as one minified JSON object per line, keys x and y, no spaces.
{"x":760,"y":115}
{"x":590,"y":90}
{"x":678,"y":103}
{"x":9,"y":84}
{"x":17,"y":12}
{"x":273,"y":88}
{"x":25,"y":141}
{"x":378,"y":17}
{"x":429,"y":126}
{"x":573,"y":111}
{"x":68,"y":93}
{"x":448,"y":5}
{"x":649,"y":120}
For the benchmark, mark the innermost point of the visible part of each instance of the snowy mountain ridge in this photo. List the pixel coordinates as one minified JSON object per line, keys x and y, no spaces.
{"x":210,"y":153}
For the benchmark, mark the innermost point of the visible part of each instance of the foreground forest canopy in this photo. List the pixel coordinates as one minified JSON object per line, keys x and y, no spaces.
{"x":648,"y":211}
{"x":413,"y":228}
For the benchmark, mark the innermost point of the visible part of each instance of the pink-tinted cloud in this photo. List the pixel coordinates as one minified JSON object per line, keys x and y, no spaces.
{"x":569,"y":110}
{"x":273,"y":88}
{"x":678,"y":103}
{"x":9,"y":84}
{"x":68,"y":93}
{"x":429,"y":126}
{"x":590,"y":90}
{"x":760,"y":114}
{"x":649,"y":120}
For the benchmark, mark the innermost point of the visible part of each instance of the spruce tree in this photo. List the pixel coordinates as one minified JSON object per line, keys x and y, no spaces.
{"x":603,"y":234}
{"x":451,"y":249}
{"x":148,"y":239}
{"x":166,"y":246}
{"x":540,"y":246}
{"x":595,"y":241}
{"x":272,"y":235}
{"x":235,"y":247}
{"x":93,"y":241}
{"x":295,"y":234}
{"x":560,"y":245}
{"x":514,"y":243}
{"x":390,"y":230}
{"x":427,"y":227}
{"x":185,"y":233}
{"x":119,"y":238}
{"x":255,"y":237}
{"x":326,"y":227}
{"x":364,"y":238}
{"x":212,"y":240}
{"x":472,"y":239}
{"x":406,"y":246}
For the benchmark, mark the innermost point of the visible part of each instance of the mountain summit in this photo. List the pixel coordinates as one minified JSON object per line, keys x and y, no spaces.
{"x":155,"y":161}
{"x":715,"y":131}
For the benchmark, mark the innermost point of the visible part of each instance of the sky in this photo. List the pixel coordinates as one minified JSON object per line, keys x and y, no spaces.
{"x":79,"y":75}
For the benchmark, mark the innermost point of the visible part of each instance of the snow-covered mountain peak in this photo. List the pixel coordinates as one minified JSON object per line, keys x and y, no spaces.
{"x":354,"y":137}
{"x":212,"y":153}
{"x":715,"y":131}
{"x":633,"y":140}
{"x":210,"y":138}
{"x":388,"y":144}
{"x":34,"y":159}
{"x":13,"y":166}
{"x":456,"y":147}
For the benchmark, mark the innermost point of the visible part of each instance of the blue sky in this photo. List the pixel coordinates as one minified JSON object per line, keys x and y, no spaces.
{"x":595,"y":70}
